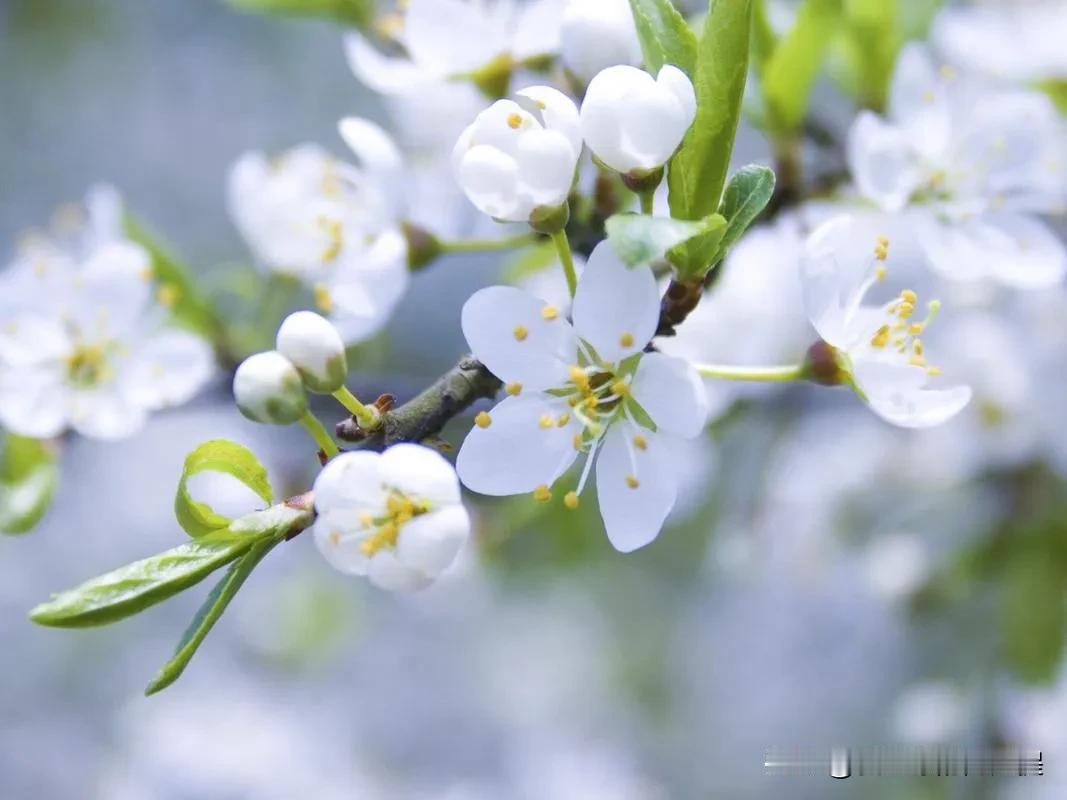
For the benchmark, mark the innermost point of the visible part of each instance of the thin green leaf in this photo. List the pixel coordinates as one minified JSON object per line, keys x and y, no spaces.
{"x":697,"y":173}
{"x":217,"y":455}
{"x":638,"y":239}
{"x":349,"y":12}
{"x":790,"y":73}
{"x":208,"y":614}
{"x":28,"y":477}
{"x":695,"y":257}
{"x":747,"y":194}
{"x":665,"y":36}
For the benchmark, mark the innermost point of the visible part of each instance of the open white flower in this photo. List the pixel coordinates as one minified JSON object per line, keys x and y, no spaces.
{"x":519,"y":157}
{"x":634,"y":122}
{"x":878,"y":348}
{"x":598,"y":34}
{"x":84,"y":337}
{"x":586,"y":389}
{"x":972,"y":166}
{"x":331,"y":224}
{"x":395,"y":517}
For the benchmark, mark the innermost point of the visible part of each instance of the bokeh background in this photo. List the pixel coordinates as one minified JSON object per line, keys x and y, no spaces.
{"x":804,"y":594}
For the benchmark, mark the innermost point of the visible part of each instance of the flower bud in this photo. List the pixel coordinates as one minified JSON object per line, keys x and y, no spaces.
{"x":268,"y":389}
{"x":597,"y":34}
{"x":315,"y":348}
{"x":632,"y":121}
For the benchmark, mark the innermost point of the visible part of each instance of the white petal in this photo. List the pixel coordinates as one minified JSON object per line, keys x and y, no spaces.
{"x":32,"y":338}
{"x":429,"y":543}
{"x":387,"y":572}
{"x":167,"y":369}
{"x":420,"y":473}
{"x":506,"y":330}
{"x":379,"y":157}
{"x":351,"y":481}
{"x":367,"y":286}
{"x":653,"y":124}
{"x":882,"y":162}
{"x":33,"y":401}
{"x":340,"y":542}
{"x":672,"y":393}
{"x":614,"y":304}
{"x":515,"y":454}
{"x":384,"y":74}
{"x":490,"y":179}
{"x":546,"y":164}
{"x":105,"y":413}
{"x":678,"y":84}
{"x":557,"y":111}
{"x":921,"y":409}
{"x":633,"y":517}
{"x":449,"y":36}
{"x":918,"y":102}
{"x":601,"y":117}
{"x":537,"y":31}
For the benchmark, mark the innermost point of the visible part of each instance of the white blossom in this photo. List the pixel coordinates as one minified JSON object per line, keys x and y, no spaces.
{"x":878,"y":347}
{"x":972,"y":166}
{"x":597,"y":34}
{"x":315,"y":348}
{"x":634,"y":122}
{"x":85,"y":335}
{"x":267,"y":388}
{"x":586,"y":389}
{"x":395,"y":517}
{"x":332,"y":225}
{"x":519,"y":156}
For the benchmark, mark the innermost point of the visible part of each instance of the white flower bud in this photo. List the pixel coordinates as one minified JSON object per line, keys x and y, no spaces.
{"x":316,"y":350}
{"x":633,"y":122}
{"x":519,"y":156}
{"x":268,"y":389}
{"x":597,"y":34}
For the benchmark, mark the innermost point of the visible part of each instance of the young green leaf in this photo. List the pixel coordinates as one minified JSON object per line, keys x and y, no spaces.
{"x":695,"y":257}
{"x":697,"y":173}
{"x":208,"y":614}
{"x":640,"y":238}
{"x":217,"y":455}
{"x":28,"y":476}
{"x":665,"y":36}
{"x":791,"y":70}
{"x":747,"y":194}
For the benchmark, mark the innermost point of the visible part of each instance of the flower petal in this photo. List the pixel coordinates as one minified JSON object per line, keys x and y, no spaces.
{"x":633,"y":517}
{"x":515,"y":454}
{"x":387,"y":572}
{"x":882,"y":162}
{"x":897,"y":393}
{"x":506,"y":330}
{"x":490,"y":179}
{"x":429,"y":543}
{"x":616,"y":309}
{"x":167,"y":369}
{"x":546,"y":164}
{"x":33,"y":401}
{"x":350,"y":481}
{"x":384,"y":74}
{"x":105,"y":413}
{"x":340,"y":542}
{"x":450,"y":36}
{"x":672,"y":393}
{"x":420,"y":473}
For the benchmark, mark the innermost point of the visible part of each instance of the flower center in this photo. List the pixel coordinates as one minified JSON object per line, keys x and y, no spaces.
{"x":399,"y":509}
{"x":88,"y":365}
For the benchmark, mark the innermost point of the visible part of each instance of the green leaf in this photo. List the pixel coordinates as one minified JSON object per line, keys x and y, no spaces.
{"x":747,"y":194}
{"x":867,"y":49}
{"x":694,"y":258}
{"x":640,"y":238}
{"x":350,"y":12}
{"x":217,"y":455}
{"x":791,"y":70}
{"x":697,"y":173}
{"x":1032,"y":615}
{"x":665,"y":36}
{"x":28,"y":477}
{"x":208,"y":614}
{"x":188,"y":306}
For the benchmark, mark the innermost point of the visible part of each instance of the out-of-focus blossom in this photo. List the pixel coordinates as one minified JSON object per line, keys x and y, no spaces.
{"x":972,"y":166}
{"x":85,"y":341}
{"x":929,"y":713}
{"x":634,"y":122}
{"x":1014,"y":41}
{"x":877,"y":347}
{"x":518,"y":157}
{"x":598,"y":34}
{"x":753,"y":315}
{"x":587,"y":389}
{"x":330,"y":224}
{"x":316,"y":350}
{"x":395,"y":517}
{"x":267,"y":388}
{"x":897,"y":564}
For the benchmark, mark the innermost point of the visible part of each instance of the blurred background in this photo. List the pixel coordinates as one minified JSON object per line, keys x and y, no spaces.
{"x":826,"y":579}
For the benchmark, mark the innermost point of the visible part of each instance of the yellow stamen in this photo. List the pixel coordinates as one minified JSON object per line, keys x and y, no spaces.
{"x":621,"y":388}
{"x":482,"y":419}
{"x":335,"y":538}
{"x":905,"y":310}
{"x":908,"y":296}
{"x":881,"y":337}
{"x":323,"y":298}
{"x":384,"y":537}
{"x":632,"y":482}
{"x":933,"y":371}
{"x":549,"y":312}
{"x":334,"y":232}
{"x":520,"y":333}
{"x":570,"y":500}
{"x":640,"y":442}
{"x":542,"y":494}
{"x":577,"y":441}
{"x":563,"y":419}
{"x":626,"y":340}
{"x":546,"y":421}
{"x":365,"y":519}
{"x":168,"y":294}
{"x":514,"y":120}
{"x":880,"y":273}
{"x":513,"y":389}
{"x":579,"y":378}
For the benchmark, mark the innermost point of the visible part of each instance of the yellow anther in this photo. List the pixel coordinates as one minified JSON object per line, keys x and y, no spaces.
{"x":917,"y":361}
{"x":640,"y":442}
{"x":384,"y":537}
{"x":905,"y":310}
{"x":882,"y":240}
{"x":933,"y":371}
{"x":168,"y":294}
{"x":514,"y":120}
{"x":590,"y":402}
{"x":632,"y":482}
{"x":573,"y":401}
{"x":549,"y":312}
{"x":908,"y":296}
{"x":147,"y":273}
{"x":947,"y":72}
{"x":334,"y":232}
{"x":323,"y":298}
{"x":915,"y":328}
{"x":365,"y":519}
{"x":541,"y":104}
{"x":576,"y":440}
{"x":335,"y":538}
{"x":520,"y":333}
{"x":482,"y":419}
{"x":542,"y":494}
{"x":563,"y":419}
{"x":579,"y":377}
{"x":546,"y":421}
{"x":513,"y":389}
{"x":570,"y":500}
{"x":880,"y":272}
{"x":626,"y":340}
{"x":621,"y":388}
{"x":928,"y":96}
{"x":917,"y":347}
{"x":881,"y":337}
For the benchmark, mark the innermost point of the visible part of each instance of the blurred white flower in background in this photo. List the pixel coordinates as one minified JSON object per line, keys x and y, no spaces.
{"x":597,"y":34}
{"x":395,"y":517}
{"x":330,"y":224}
{"x":934,"y":712}
{"x":85,"y":337}
{"x":896,"y":564}
{"x":972,"y":166}
{"x":587,"y":389}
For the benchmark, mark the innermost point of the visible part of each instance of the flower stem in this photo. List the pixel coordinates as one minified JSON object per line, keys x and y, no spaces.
{"x":791,"y":372}
{"x":647,"y":199}
{"x":563,"y":248}
{"x":367,"y":417}
{"x":319,"y":434}
{"x":488,"y":245}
